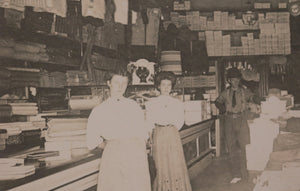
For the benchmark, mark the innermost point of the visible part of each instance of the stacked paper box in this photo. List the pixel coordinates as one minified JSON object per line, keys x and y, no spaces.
{"x":209,"y":35}
{"x":203,"y":22}
{"x":217,"y":19}
{"x":226,"y":45}
{"x":218,"y":41}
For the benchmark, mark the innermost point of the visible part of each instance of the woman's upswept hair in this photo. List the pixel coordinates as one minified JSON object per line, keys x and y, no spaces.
{"x":165,"y":75}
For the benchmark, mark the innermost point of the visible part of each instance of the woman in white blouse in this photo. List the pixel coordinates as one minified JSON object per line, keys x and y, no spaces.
{"x":120,"y":122}
{"x":165,"y":115}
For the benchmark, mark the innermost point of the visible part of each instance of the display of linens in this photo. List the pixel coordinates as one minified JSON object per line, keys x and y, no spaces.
{"x":66,"y":135}
{"x":24,"y":108}
{"x":58,"y":7}
{"x":84,"y":102}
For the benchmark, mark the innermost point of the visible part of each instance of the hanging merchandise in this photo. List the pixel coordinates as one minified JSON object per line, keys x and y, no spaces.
{"x":93,"y":8}
{"x":153,"y":26}
{"x":121,"y":14}
{"x":58,"y":7}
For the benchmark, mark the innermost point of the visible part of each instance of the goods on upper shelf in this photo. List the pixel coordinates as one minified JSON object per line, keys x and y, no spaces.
{"x":196,"y":81}
{"x":23,"y":50}
{"x":186,"y":5}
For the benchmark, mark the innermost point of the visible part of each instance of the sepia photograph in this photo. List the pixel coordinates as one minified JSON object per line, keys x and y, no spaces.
{"x":149,"y":95}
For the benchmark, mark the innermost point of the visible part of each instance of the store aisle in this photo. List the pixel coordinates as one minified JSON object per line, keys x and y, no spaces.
{"x":217,"y":177}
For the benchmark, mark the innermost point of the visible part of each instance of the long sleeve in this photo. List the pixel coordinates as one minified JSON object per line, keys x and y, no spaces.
{"x":93,"y":138}
{"x":220,"y":102}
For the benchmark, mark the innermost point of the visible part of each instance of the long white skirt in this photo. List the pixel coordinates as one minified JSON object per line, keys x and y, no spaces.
{"x":124,"y":166}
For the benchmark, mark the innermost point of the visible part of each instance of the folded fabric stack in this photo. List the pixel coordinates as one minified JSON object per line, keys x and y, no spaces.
{"x":24,"y":108}
{"x":33,"y":52}
{"x":21,"y":77}
{"x":84,"y":102}
{"x":20,"y":132}
{"x":68,"y":136}
{"x":12,"y":168}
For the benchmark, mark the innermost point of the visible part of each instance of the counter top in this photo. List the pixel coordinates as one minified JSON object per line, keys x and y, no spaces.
{"x":49,"y":169}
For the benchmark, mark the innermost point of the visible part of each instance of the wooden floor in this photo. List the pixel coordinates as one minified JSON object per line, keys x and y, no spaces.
{"x":217,"y":177}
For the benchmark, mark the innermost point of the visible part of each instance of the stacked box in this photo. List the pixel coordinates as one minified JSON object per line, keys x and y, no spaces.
{"x":210,"y":25}
{"x":239,"y":24}
{"x":269,"y":44}
{"x":281,"y":41}
{"x":258,"y":5}
{"x":282,"y":28}
{"x":251,"y":43}
{"x":231,"y":22}
{"x":275,"y":45}
{"x":283,"y":17}
{"x":267,"y":28}
{"x":217,"y":19}
{"x":282,"y":5}
{"x":195,"y":20}
{"x":261,"y":17}
{"x":224,"y":20}
{"x":233,"y":51}
{"x":209,"y":36}
{"x":187,"y":5}
{"x":226,"y":45}
{"x":271,"y":17}
{"x":201,"y":36}
{"x":182,"y":20}
{"x":257,"y":50}
{"x":203,"y":25}
{"x":239,"y":50}
{"x":218,"y":41}
{"x":189,"y":20}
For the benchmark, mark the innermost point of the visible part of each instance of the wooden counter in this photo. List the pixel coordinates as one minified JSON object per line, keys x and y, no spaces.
{"x":81,"y":173}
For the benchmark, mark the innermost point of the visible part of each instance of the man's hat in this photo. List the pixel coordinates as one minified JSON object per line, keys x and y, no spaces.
{"x":233,"y":73}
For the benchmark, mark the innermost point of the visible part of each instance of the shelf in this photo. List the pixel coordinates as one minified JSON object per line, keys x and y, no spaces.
{"x":87,"y":86}
{"x":230,"y":30}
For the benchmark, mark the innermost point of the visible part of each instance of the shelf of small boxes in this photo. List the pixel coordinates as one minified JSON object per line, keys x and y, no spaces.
{"x":201,"y":81}
{"x":177,"y":6}
{"x":274,"y":29}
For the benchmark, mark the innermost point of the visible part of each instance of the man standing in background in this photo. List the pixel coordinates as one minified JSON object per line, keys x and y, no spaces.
{"x":233,"y":103}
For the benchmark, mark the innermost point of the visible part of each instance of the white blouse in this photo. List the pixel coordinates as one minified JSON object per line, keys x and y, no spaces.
{"x":165,"y":110}
{"x":115,"y":119}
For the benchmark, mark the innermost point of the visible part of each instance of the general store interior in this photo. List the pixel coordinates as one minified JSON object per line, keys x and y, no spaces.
{"x":54,"y":55}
